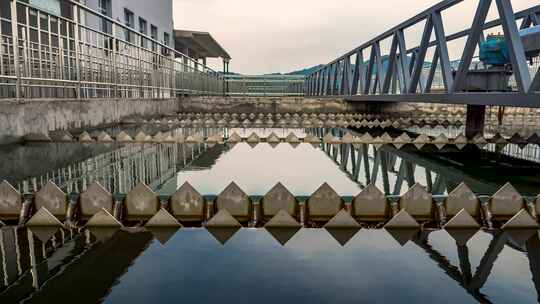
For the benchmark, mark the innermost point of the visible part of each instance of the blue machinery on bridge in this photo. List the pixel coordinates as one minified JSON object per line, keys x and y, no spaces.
{"x":404,"y":75}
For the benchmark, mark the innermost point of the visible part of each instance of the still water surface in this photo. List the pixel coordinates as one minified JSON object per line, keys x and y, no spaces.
{"x":192,"y":266}
{"x":312,"y":267}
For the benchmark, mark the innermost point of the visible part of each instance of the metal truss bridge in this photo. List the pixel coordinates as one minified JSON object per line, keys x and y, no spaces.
{"x":405,"y":75}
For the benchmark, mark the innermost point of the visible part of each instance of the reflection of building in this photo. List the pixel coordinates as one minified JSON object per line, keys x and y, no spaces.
{"x":56,"y":270}
{"x":72,"y":166}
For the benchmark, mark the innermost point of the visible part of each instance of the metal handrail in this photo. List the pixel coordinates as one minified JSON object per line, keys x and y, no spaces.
{"x":98,"y":63}
{"x":265,"y":85}
{"x":406,"y":66}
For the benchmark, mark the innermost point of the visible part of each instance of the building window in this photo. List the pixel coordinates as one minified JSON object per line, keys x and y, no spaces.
{"x":154,"y":36}
{"x":129,"y":20}
{"x":104,"y":7}
{"x":166,"y":39}
{"x":143,"y":29}
{"x":51,"y":6}
{"x":166,"y":42}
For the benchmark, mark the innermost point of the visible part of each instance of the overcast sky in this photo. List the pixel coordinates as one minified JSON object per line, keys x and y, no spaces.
{"x":284,"y":35}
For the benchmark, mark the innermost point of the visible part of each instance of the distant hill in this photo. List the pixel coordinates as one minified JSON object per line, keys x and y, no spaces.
{"x":306,"y":71}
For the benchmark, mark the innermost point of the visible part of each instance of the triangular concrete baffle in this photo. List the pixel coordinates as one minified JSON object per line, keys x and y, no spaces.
{"x":253,"y":138}
{"x":234,"y":138}
{"x":402,"y":140}
{"x":402,"y":220}
{"x":440,"y":141}
{"x":402,"y":227}
{"x":402,"y":235}
{"x":103,"y":219}
{"x":462,"y":220}
{"x":421,"y":141}
{"x":37,"y":137}
{"x":342,"y":227}
{"x":282,"y":219}
{"x":342,"y":220}
{"x":61,"y":136}
{"x":123,"y":137}
{"x":520,"y":236}
{"x":522,"y":220}
{"x":460,"y":141}
{"x":223,"y":226}
{"x":273,"y":138}
{"x":292,"y":138}
{"x":330,"y":139}
{"x":462,"y":235}
{"x":2,"y":224}
{"x":104,"y":137}
{"x":140,"y":137}
{"x":85,"y":137}
{"x":163,"y":234}
{"x":44,"y":233}
{"x":163,"y":219}
{"x":222,"y":234}
{"x":214,"y":139}
{"x":479,"y":140}
{"x":103,"y":233}
{"x":223,"y":219}
{"x":44,"y":217}
{"x":366,"y":138}
{"x":294,"y":145}
{"x":282,"y":227}
{"x":347,"y":138}
{"x":312,"y":139}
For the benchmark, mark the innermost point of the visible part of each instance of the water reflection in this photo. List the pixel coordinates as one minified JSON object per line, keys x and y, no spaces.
{"x":129,"y":266}
{"x":394,"y":171}
{"x":257,"y":167}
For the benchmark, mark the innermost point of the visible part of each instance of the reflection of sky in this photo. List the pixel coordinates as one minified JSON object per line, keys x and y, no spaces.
{"x":256,"y":170}
{"x":311,"y":268}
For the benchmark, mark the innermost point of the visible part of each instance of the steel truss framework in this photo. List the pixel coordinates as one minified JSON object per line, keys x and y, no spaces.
{"x":402,"y":79}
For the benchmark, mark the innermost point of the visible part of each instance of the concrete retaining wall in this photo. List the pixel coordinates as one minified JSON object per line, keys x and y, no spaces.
{"x":18,"y":119}
{"x":217,"y":104}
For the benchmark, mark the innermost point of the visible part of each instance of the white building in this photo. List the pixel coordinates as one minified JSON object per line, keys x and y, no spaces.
{"x":150,"y":17}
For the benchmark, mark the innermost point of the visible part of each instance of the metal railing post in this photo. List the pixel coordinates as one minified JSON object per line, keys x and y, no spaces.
{"x":15,"y":44}
{"x":77,"y":49}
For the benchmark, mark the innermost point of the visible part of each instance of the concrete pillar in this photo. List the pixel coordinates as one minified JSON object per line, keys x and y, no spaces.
{"x":476,"y":115}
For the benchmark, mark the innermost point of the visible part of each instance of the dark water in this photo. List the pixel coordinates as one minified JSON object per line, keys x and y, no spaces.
{"x":195,"y":266}
{"x":256,"y":168}
{"x":312,"y":267}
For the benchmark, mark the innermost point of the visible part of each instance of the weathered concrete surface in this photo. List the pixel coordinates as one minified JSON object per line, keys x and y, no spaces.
{"x":94,"y":200}
{"x":40,"y":116}
{"x":267,"y":105}
{"x":187,"y":204}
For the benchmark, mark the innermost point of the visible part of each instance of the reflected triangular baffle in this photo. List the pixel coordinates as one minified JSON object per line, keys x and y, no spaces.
{"x":342,"y":227}
{"x":282,"y":227}
{"x":223,"y":226}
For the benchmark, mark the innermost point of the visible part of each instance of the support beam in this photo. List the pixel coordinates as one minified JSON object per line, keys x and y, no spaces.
{"x":476,"y":116}
{"x":442,"y":48}
{"x":358,"y":74}
{"x":432,"y":70}
{"x":380,"y":68}
{"x":473,"y":39}
{"x":369,"y":72}
{"x":403,"y":62}
{"x":515,"y":45}
{"x":391,"y":66}
{"x":421,"y":56}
